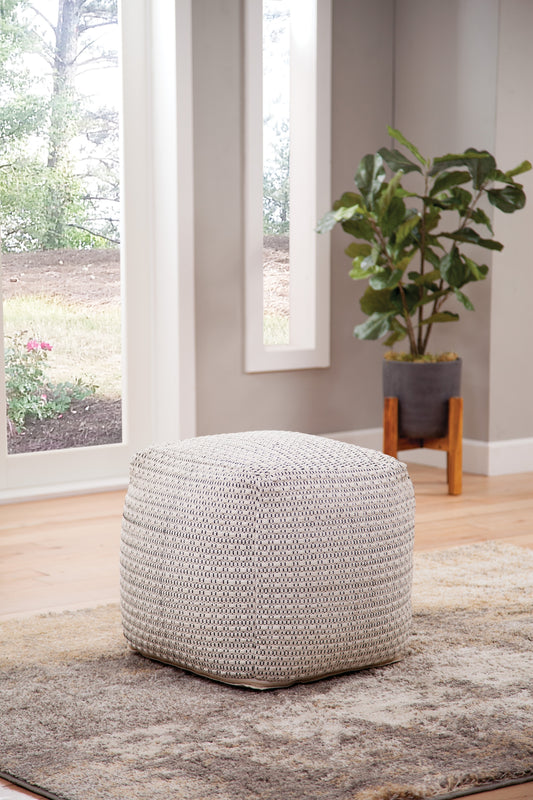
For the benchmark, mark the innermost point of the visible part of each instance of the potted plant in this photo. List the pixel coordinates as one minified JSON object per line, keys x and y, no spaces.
{"x":414,"y":243}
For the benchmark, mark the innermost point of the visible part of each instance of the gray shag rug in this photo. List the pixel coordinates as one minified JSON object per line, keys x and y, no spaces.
{"x":83,"y":717}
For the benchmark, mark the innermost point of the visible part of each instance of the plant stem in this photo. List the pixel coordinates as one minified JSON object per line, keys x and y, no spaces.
{"x":438,"y":302}
{"x":409,"y":324}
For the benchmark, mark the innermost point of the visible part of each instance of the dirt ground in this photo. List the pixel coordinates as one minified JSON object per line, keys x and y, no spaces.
{"x":89,"y":422}
{"x":92,"y":277}
{"x":276,"y":274}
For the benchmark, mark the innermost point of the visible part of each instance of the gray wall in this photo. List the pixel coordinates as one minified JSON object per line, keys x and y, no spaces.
{"x":511,"y":360}
{"x":432,"y":69}
{"x":446,"y":102}
{"x":470,"y":85}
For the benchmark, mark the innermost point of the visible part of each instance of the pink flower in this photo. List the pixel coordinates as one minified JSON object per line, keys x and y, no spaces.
{"x":33,"y":344}
{"x":46,"y":346}
{"x":44,"y":397}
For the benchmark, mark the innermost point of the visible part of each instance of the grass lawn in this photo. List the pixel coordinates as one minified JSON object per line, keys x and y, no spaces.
{"x":86,"y":340}
{"x":275,"y":329}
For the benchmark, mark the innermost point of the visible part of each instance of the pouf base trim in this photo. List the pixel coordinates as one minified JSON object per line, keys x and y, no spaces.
{"x":252,"y":683}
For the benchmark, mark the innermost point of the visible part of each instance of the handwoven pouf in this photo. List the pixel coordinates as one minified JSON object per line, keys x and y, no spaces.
{"x":267,"y":558}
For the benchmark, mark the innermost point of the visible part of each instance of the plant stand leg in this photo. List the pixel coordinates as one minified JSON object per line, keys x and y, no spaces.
{"x":454,"y":456}
{"x":452,"y":443}
{"x":390,"y":426}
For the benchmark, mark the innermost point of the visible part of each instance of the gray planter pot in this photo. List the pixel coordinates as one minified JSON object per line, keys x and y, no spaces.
{"x":423,"y":391}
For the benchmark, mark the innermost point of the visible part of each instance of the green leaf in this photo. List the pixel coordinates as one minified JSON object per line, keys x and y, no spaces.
{"x":374,"y":327}
{"x":478,"y":272}
{"x":327,"y":223}
{"x":359,"y":228}
{"x":397,"y":161}
{"x":369,"y":177}
{"x":386,"y":279}
{"x":464,"y":300}
{"x":396,"y":134}
{"x":392,"y":218}
{"x":365,"y":260}
{"x":498,"y":175}
{"x":347,"y":212}
{"x":357,"y":271}
{"x":462,"y":199}
{"x":432,"y":217}
{"x":405,"y":229}
{"x":374,"y":301}
{"x":348,"y":200}
{"x":525,"y":166}
{"x":356,"y":250}
{"x":398,"y":332}
{"x":345,"y":208}
{"x":479,"y":216}
{"x":389,"y":193}
{"x":452,"y":269}
{"x":404,"y":193}
{"x":458,"y":199}
{"x":404,"y":262}
{"x":479,"y":164}
{"x":394,"y":337}
{"x":372,"y":259}
{"x":441,"y":316}
{"x":448,"y":179}
{"x":428,"y":279}
{"x":508,"y":199}
{"x":432,"y":257}
{"x":471,"y":236}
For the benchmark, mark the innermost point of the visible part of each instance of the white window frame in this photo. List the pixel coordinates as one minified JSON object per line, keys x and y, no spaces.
{"x":310,"y":197}
{"x":157,"y":261}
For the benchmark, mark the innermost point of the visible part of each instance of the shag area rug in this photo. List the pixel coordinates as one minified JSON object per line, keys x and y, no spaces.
{"x":83,"y":717}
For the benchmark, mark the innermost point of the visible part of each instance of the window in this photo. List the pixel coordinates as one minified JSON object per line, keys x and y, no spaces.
{"x":287,"y":177}
{"x":157,"y":259}
{"x":60,"y":95}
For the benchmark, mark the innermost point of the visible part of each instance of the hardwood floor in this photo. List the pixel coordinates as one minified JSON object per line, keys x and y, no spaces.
{"x":63,"y":553}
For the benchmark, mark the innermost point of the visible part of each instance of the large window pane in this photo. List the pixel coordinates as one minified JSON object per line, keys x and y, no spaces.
{"x":59,"y":214}
{"x":276,"y":169}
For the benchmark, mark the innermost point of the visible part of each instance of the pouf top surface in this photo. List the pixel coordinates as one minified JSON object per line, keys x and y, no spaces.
{"x":267,"y":453}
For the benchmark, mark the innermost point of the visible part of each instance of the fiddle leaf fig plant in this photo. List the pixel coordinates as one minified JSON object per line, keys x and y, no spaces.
{"x":414,"y":246}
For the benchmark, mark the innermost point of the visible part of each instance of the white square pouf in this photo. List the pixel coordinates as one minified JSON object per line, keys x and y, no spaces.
{"x":267,"y":558}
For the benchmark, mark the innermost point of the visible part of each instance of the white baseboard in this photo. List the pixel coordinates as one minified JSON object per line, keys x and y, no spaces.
{"x":30,"y":493}
{"x":511,"y":456}
{"x":480,"y":458}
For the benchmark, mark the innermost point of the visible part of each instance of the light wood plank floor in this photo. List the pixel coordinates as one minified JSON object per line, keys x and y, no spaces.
{"x":63,"y":553}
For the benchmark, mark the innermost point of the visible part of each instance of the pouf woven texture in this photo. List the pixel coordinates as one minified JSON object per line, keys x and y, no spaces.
{"x":267,"y":558}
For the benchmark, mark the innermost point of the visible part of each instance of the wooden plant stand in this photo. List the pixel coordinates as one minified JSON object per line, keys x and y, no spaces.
{"x":452,"y":443}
